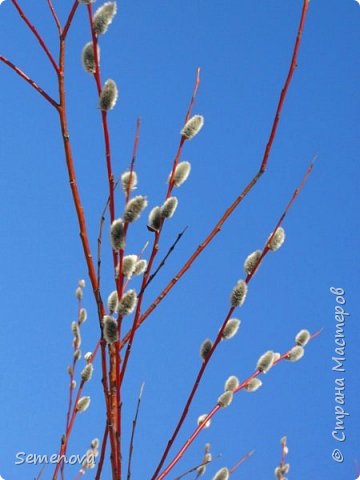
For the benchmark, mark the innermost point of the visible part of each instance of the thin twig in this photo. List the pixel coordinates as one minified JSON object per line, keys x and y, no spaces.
{"x":241,"y":461}
{"x":102,"y":452}
{"x":213,"y":412}
{"x":163,"y":261}
{"x":247,"y":189}
{"x":55,"y":17}
{"x":131,"y":448}
{"x":37,"y":35}
{"x":29,"y":80}
{"x":69,"y":20}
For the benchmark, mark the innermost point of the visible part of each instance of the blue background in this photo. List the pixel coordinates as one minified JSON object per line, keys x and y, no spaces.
{"x":152,"y":50}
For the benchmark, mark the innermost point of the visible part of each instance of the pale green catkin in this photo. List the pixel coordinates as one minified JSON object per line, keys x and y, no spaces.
{"x":265,"y":362}
{"x":88,"y":57}
{"x":253,"y":385}
{"x":81,"y":283}
{"x":110,"y":329}
{"x":77,"y":355}
{"x":192,"y":127}
{"x":222,"y":474}
{"x":83,"y":404}
{"x":87,"y":356}
{"x":181,"y":173}
{"x":154,"y":221}
{"x":302,"y":338}
{"x":238,"y":295}
{"x":129,"y":181}
{"x":231,"y":383}
{"x":112,"y":301}
{"x":140,"y":267}
{"x":103,"y":17}
{"x":82,"y":315}
{"x":108,"y":95}
{"x":87,"y":372}
{"x":205,"y":348}
{"x":127,"y":303}
{"x":134,"y":208}
{"x":117,"y":234}
{"x":95,"y":443}
{"x":277,"y":240}
{"x":295,"y":353}
{"x":75,"y":329}
{"x":251,"y":261}
{"x":169,"y":207}
{"x":231,"y":328}
{"x":225,"y":399}
{"x":79,"y":293}
{"x":129,"y":262}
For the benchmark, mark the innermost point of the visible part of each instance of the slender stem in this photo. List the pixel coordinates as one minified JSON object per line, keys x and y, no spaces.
{"x":241,"y":461}
{"x":134,"y":423}
{"x":55,"y":17}
{"x":29,"y":80}
{"x":246,"y":190}
{"x":69,"y":20}
{"x":36,"y":33}
{"x":102,"y":452}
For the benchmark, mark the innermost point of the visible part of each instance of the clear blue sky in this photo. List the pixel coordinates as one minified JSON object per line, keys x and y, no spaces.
{"x":152,"y":50}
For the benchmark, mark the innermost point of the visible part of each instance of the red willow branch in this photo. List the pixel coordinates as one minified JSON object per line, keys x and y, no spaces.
{"x":213,"y":412}
{"x":29,"y":80}
{"x":69,"y":20}
{"x":220,"y":333}
{"x":241,"y":461}
{"x":54,"y":15}
{"x":102,"y":453}
{"x":246,"y":190}
{"x":37,"y":35}
{"x":157,"y":235}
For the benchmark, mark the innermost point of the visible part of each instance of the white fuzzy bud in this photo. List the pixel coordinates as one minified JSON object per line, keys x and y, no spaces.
{"x":87,"y":372}
{"x":302,"y":338}
{"x":140,"y":267}
{"x":205,"y":348}
{"x":129,"y":262}
{"x":238,"y":295}
{"x":295,"y":353}
{"x":117,"y":234}
{"x":251,"y":261}
{"x":108,"y":95}
{"x":110,"y":329}
{"x":253,"y":385}
{"x":169,"y":207}
{"x":265,"y":362}
{"x":79,"y":293}
{"x":222,"y":474}
{"x":129,"y":181}
{"x":154,"y":221}
{"x":103,"y":17}
{"x":127,"y":303}
{"x":82,"y":315}
{"x":87,"y":356}
{"x":201,"y":420}
{"x":83,"y":404}
{"x":277,"y":240}
{"x":231,"y":328}
{"x":231,"y":383}
{"x":192,"y":127}
{"x":134,"y":208}
{"x":225,"y":399}
{"x":112,"y":301}
{"x":181,"y":173}
{"x":88,"y":57}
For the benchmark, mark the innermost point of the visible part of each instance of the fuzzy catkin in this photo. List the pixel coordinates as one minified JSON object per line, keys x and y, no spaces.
{"x":251,"y":261}
{"x":169,"y":206}
{"x":201,"y":419}
{"x":110,"y":329}
{"x":127,"y":303}
{"x":231,"y":383}
{"x":129,"y":181}
{"x":82,"y":315}
{"x":238,"y":295}
{"x":103,"y":17}
{"x":302,"y":338}
{"x":112,"y":301}
{"x":128,"y":265}
{"x":192,"y":127}
{"x":205,"y":348}
{"x":87,"y":372}
{"x":181,"y":173}
{"x":154,"y":221}
{"x":253,"y":385}
{"x":277,"y":240}
{"x":231,"y":328}
{"x":83,"y":404}
{"x":295,"y":353}
{"x":108,"y":95}
{"x":222,"y":474}
{"x":117,"y":234}
{"x":140,"y":267}
{"x":134,"y":208}
{"x":225,"y":399}
{"x":88,"y":57}
{"x":265,"y":362}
